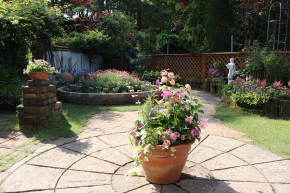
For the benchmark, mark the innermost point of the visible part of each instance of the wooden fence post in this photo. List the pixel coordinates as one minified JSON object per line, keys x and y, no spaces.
{"x":166,"y":62}
{"x":204,"y":64}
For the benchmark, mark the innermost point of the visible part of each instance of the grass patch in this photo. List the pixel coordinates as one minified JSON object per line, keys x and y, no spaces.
{"x":69,"y":124}
{"x":271,"y":133}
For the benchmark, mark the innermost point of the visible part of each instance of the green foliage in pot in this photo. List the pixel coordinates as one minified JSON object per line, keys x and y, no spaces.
{"x":151,"y":74}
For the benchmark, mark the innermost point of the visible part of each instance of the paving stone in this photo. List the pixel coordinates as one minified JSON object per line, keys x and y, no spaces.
{"x":243,"y":173}
{"x":94,"y":165}
{"x":4,"y":150}
{"x":253,"y":154}
{"x":223,"y":161}
{"x":201,"y":154}
{"x":152,"y":188}
{"x":125,"y":149}
{"x":281,"y":188}
{"x":43,"y":191}
{"x":2,"y":140}
{"x":28,"y":178}
{"x":115,"y":139}
{"x":276,"y":172}
{"x":196,"y":172}
{"x":12,"y":143}
{"x":242,"y":187}
{"x":3,"y":175}
{"x":93,"y":189}
{"x":15,"y":166}
{"x":221,"y":143}
{"x":87,"y":145}
{"x":123,"y":170}
{"x":58,"y":142}
{"x":121,"y":184}
{"x":72,"y":179}
{"x":172,"y":189}
{"x":57,"y":157}
{"x":9,"y":134}
{"x":113,"y":156}
{"x":200,"y":186}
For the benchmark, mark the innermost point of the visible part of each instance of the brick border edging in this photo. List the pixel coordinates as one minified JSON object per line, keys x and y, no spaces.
{"x":100,"y":99}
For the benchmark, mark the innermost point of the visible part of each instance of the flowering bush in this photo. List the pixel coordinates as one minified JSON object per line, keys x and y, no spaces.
{"x":39,"y":66}
{"x":109,"y":81}
{"x":174,"y":122}
{"x":254,"y":92}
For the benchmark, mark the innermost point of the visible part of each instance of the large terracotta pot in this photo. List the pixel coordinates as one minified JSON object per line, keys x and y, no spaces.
{"x":67,"y":77}
{"x":39,"y":75}
{"x":162,"y":168}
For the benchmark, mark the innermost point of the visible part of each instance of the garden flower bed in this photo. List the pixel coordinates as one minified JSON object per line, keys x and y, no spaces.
{"x":105,"y":88}
{"x":256,"y":94}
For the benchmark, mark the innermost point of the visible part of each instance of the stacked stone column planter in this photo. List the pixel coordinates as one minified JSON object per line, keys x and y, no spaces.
{"x":39,"y":104}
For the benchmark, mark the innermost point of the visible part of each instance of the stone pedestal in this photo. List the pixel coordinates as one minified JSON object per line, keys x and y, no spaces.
{"x":39,"y":104}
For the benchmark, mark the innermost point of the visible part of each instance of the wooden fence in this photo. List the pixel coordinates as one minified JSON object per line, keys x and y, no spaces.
{"x":192,"y":65}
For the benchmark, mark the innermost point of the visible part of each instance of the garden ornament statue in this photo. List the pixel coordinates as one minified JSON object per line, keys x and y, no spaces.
{"x":232,"y":70}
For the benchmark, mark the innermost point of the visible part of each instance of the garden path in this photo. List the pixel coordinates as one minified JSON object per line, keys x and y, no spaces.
{"x":97,"y":159}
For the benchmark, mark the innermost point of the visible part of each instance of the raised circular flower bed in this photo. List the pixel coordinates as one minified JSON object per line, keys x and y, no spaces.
{"x":100,"y":99}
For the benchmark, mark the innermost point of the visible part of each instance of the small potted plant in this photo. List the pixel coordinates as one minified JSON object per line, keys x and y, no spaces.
{"x":214,"y":77}
{"x":39,"y":47}
{"x":39,"y":70}
{"x":151,"y":76}
{"x":164,"y":135}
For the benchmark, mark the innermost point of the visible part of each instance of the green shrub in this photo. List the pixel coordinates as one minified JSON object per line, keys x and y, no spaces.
{"x":10,"y":87}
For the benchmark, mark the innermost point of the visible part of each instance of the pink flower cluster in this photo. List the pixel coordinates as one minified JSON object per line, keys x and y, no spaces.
{"x":171,"y":135}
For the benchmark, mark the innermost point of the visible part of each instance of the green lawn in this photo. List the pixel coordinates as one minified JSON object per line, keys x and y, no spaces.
{"x":74,"y":118}
{"x":267,"y":132}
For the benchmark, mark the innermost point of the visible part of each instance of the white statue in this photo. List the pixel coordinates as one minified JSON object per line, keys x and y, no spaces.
{"x":232,"y":70}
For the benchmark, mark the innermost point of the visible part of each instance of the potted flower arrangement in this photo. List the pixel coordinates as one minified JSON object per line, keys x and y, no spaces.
{"x":164,"y":135}
{"x":39,"y":70}
{"x":214,"y":78}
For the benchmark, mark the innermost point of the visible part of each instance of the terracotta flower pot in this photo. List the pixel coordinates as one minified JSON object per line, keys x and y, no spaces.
{"x":39,"y":75}
{"x":162,"y":168}
{"x":67,"y":77}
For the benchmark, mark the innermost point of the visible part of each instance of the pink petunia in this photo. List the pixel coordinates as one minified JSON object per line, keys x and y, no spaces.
{"x":195,"y":132}
{"x":182,"y":137}
{"x":166,"y":143}
{"x":169,"y":131}
{"x":177,"y":134}
{"x":188,"y":119}
{"x":166,"y":95}
{"x":173,"y":136}
{"x":175,"y":100}
{"x":132,"y":132}
{"x":289,"y":83}
{"x":202,"y":123}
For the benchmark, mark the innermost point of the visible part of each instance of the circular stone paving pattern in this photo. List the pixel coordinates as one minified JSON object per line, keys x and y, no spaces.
{"x":98,"y":164}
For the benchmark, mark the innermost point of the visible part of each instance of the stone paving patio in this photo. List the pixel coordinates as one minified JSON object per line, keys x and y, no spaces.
{"x":97,"y":159}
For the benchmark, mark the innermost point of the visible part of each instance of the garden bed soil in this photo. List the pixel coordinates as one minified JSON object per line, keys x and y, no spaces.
{"x":100,"y":99}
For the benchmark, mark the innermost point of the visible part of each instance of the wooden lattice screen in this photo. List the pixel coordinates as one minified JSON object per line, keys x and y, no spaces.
{"x":194,"y":65}
{"x":186,"y":65}
{"x":224,"y":58}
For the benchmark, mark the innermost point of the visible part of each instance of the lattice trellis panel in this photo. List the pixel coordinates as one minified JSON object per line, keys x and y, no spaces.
{"x":225,"y":59}
{"x":155,"y":63}
{"x":186,"y":66}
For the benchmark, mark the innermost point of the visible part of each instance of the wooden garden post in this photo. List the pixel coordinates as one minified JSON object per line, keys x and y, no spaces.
{"x":166,"y":62}
{"x":204,"y":64}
